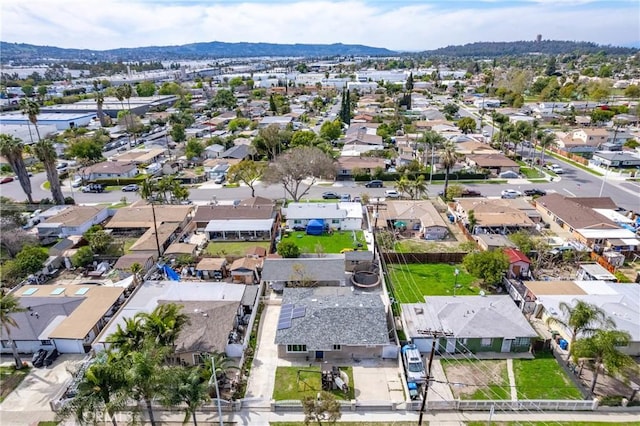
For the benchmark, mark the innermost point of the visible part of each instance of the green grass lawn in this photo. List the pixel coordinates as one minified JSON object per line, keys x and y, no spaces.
{"x":128,"y":242}
{"x":237,"y":248}
{"x":423,"y":246}
{"x":331,"y":243}
{"x":413,"y":281}
{"x":531,"y":173}
{"x":10,"y":378}
{"x":542,"y":378}
{"x":289,"y":386}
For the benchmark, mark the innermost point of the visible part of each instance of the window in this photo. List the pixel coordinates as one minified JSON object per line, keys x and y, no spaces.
{"x":45,"y":342}
{"x":296,"y":348}
{"x":199,"y":359}
{"x":521,"y":341}
{"x":5,"y":344}
{"x":335,"y":221}
{"x":337,"y":347}
{"x":297,"y":221}
{"x":486,"y":342}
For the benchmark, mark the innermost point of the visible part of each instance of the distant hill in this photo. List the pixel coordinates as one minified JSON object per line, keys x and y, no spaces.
{"x":515,"y":48}
{"x":27,"y":52}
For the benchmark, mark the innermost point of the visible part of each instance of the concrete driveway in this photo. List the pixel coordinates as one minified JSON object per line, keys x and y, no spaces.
{"x":378,"y":381}
{"x":29,"y":402}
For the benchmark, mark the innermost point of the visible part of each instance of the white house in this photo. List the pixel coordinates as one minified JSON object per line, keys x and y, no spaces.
{"x":110,"y":170}
{"x":345,"y":216}
{"x":74,"y":220}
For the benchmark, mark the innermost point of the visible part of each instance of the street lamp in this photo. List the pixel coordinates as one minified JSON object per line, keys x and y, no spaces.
{"x":455,"y":284}
{"x":214,"y":379}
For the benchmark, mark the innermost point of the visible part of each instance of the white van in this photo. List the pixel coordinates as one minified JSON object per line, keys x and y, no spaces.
{"x":413,"y":365}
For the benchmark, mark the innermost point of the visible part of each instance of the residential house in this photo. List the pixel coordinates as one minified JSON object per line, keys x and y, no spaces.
{"x":73,"y":220}
{"x":519,"y":263}
{"x":469,"y":324}
{"x":342,"y":216}
{"x":140,"y":156}
{"x":302,"y":271}
{"x":67,"y":318}
{"x":204,"y":214}
{"x":501,"y":216}
{"x":237,"y":152}
{"x":350,"y":166}
{"x":626,"y":160}
{"x":241,"y":229}
{"x":475,"y":147}
{"x":493,"y":241}
{"x":124,"y":263}
{"x":583,"y":141}
{"x":363,"y":134}
{"x":212,"y":267}
{"x":281,"y":121}
{"x":417,"y":216}
{"x":619,"y":302}
{"x":496,"y":163}
{"x":217,"y":313}
{"x":245,"y":270}
{"x":325,"y":323}
{"x":109,"y":170}
{"x":594,"y":272}
{"x":214,"y":151}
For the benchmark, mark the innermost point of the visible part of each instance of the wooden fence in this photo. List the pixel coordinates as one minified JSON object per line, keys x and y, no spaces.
{"x":454,"y":257}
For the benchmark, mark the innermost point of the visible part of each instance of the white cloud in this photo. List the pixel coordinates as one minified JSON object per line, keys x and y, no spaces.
{"x":408,"y":26}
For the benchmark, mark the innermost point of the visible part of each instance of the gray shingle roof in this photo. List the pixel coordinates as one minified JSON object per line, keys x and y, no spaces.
{"x":319,"y":269}
{"x":334,"y":316}
{"x":30,"y":326}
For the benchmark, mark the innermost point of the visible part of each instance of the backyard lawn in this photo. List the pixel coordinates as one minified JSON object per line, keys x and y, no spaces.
{"x":413,"y":281}
{"x":239,"y":248}
{"x":331,"y":243}
{"x":542,"y":378}
{"x":484,"y":380}
{"x":289,"y":386}
{"x":10,"y":378}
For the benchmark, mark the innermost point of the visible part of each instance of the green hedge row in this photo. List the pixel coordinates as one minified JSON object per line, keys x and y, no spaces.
{"x":121,"y":181}
{"x":413,"y":176}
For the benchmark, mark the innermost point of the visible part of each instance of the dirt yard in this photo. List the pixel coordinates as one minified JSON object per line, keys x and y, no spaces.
{"x":488,"y":381}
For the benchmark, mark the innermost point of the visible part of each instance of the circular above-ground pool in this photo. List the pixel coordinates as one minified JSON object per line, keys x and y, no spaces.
{"x":365,"y":279}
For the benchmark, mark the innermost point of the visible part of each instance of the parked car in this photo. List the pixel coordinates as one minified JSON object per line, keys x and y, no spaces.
{"x":220,"y":179}
{"x":76,"y":182}
{"x":93,"y":187}
{"x":391,"y":193}
{"x":51,"y":356}
{"x":357,"y":200}
{"x":130,"y":188}
{"x":6,"y":179}
{"x":534,"y":191}
{"x":466,"y":192}
{"x":330,"y":196}
{"x":121,"y":149}
{"x":345,"y":197}
{"x":374,"y":184}
{"x":560,"y":250}
{"x":510,"y":193}
{"x":37,"y":354}
{"x":38,"y":361}
{"x":557,"y":169}
{"x":413,"y":365}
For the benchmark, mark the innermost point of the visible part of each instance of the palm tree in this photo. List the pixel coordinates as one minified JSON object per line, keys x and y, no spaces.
{"x":10,"y":305}
{"x":145,"y":376}
{"x":403,"y":185}
{"x":46,"y":153}
{"x":136,"y":270}
{"x":432,"y":140}
{"x":100,"y":112}
{"x":223,"y":364}
{"x":127,"y":91}
{"x":419,"y":187}
{"x":188,"y":387}
{"x":31,"y":109}
{"x":602,"y":349}
{"x":130,"y":337}
{"x":448,"y":160}
{"x":583,"y":318}
{"x":11,"y":148}
{"x":546,"y":140}
{"x":164,"y":323}
{"x":101,"y":390}
{"x":147,"y":189}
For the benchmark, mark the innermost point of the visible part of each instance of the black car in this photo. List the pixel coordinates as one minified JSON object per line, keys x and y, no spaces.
{"x":330,"y":196}
{"x":374,"y":184}
{"x":51,"y":356}
{"x":535,"y":191}
{"x":38,"y":361}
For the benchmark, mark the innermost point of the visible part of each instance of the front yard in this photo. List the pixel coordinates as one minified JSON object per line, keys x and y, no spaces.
{"x":330,"y":243}
{"x":239,"y":248}
{"x":477,"y":380}
{"x":542,"y":378}
{"x":413,"y":281}
{"x":294,"y":383}
{"x":10,"y":378}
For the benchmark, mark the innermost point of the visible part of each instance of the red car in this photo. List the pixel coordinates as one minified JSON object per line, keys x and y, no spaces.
{"x":6,"y":180}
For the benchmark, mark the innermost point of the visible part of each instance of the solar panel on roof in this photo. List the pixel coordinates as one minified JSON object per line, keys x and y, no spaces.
{"x":81,"y":291}
{"x":29,"y":292}
{"x":298,"y":312}
{"x":286,"y":307}
{"x":284,"y":324}
{"x":57,"y":291}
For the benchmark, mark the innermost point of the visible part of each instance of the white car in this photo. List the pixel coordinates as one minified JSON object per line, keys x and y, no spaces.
{"x":391,"y":193}
{"x":510,"y":193}
{"x":557,"y":169}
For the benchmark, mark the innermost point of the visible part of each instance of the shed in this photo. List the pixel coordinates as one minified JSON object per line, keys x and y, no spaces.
{"x":315,"y":227}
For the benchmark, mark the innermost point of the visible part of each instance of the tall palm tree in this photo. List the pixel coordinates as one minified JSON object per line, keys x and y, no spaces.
{"x":101,"y":390}
{"x":164,"y":323}
{"x":602,"y":349}
{"x":46,"y":153}
{"x":448,"y":160}
{"x":99,"y":96}
{"x":403,"y":185}
{"x":432,"y":140}
{"x":583,"y":318}
{"x":127,"y":92}
{"x":12,"y":148}
{"x":128,"y":337}
{"x":145,"y":375}
{"x":10,"y":305}
{"x":419,"y":187}
{"x":148,"y":189}
{"x":31,"y":109}
{"x":222,"y":363}
{"x":188,"y":387}
{"x":546,"y":140}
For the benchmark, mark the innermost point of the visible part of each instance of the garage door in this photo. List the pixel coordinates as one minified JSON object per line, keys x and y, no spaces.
{"x":423,"y":344}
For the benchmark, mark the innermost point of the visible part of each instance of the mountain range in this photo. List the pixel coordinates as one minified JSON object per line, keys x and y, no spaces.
{"x":26,"y":53}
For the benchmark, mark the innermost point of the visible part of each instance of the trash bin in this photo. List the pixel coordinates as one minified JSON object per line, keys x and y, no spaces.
{"x":563,"y":344}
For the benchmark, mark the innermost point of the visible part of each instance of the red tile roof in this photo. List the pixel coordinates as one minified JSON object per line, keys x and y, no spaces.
{"x":516,"y":255}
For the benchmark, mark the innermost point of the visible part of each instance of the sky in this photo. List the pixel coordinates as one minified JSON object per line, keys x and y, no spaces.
{"x":403,"y":25}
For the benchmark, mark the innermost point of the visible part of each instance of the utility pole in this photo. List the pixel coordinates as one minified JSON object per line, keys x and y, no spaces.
{"x":155,"y":229}
{"x":375,"y":226}
{"x":426,"y":386}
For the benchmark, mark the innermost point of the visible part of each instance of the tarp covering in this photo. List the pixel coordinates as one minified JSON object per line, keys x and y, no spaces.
{"x":315,"y":227}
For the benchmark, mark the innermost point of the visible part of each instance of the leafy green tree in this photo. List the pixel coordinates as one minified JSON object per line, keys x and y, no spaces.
{"x":178,"y":133}
{"x":85,"y":150}
{"x":248,"y":172}
{"x":186,"y":387}
{"x":193,"y":149}
{"x":28,"y":90}
{"x":10,"y":305}
{"x":12,"y":149}
{"x":238,"y":123}
{"x":326,"y":407}
{"x":31,"y":259}
{"x":489,"y":266}
{"x":288,"y":249}
{"x":303,"y":138}
{"x":170,"y":88}
{"x":599,"y":116}
{"x":451,"y":109}
{"x":98,"y":239}
{"x":331,"y":130}
{"x":146,"y":88}
{"x":46,"y":153}
{"x":467,"y":125}
{"x":582,"y":318}
{"x":224,"y":99}
{"x":602,"y":349}
{"x":632,"y":91}
{"x":82,"y":257}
